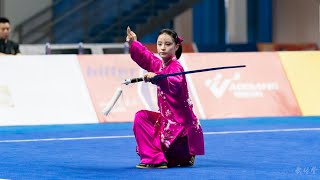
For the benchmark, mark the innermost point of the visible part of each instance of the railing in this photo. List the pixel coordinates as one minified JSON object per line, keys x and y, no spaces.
{"x":120,"y":26}
{"x":29,"y":32}
{"x":157,"y":17}
{"x":41,"y":28}
{"x":23,"y":29}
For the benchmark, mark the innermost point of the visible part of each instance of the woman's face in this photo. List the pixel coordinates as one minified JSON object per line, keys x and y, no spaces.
{"x":166,"y":47}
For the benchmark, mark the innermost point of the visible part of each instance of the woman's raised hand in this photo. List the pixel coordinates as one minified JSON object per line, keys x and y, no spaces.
{"x":131,"y":36}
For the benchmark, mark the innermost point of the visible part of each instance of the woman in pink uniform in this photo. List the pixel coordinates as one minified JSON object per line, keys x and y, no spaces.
{"x":173,"y":136}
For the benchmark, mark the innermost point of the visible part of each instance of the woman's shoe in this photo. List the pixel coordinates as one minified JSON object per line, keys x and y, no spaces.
{"x":159,"y":166}
{"x":190,"y":162}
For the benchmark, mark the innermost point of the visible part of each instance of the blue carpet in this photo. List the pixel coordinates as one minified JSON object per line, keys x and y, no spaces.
{"x":244,"y":149}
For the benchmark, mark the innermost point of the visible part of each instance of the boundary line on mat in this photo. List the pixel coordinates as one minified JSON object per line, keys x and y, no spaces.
{"x":131,"y":136}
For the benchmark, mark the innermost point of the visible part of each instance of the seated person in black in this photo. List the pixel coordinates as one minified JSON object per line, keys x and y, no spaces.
{"x":7,"y":46}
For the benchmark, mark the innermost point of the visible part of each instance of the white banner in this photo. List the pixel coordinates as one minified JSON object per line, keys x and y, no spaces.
{"x":36,"y":90}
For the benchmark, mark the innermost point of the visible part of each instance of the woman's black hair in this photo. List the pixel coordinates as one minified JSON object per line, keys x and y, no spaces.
{"x":174,"y":35}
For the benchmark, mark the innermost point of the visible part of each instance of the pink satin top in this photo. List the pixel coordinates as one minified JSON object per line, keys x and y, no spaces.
{"x":175,"y":106}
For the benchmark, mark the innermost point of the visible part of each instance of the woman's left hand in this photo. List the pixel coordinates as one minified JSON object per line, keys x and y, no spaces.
{"x":131,"y":36}
{"x":148,"y":76}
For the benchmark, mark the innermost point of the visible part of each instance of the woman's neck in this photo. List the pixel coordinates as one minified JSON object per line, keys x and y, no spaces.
{"x":167,"y":61}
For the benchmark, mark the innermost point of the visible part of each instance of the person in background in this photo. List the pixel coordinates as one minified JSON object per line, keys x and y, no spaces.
{"x":7,"y":47}
{"x":173,"y":136}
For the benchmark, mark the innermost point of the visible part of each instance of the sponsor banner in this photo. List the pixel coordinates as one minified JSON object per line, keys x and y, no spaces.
{"x":302,"y":69}
{"x":104,"y":75}
{"x":37,"y":90}
{"x":259,"y":89}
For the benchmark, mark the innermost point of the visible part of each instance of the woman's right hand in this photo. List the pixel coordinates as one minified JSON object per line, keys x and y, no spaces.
{"x":149,"y":76}
{"x":131,"y":36}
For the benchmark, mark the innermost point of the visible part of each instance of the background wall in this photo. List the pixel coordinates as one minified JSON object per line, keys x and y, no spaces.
{"x":18,"y":11}
{"x":1,"y":8}
{"x":296,"y":21}
{"x":236,"y":17}
{"x":183,"y":25}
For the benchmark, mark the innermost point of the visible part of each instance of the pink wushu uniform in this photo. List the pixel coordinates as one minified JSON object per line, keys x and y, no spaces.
{"x":174,"y":134}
